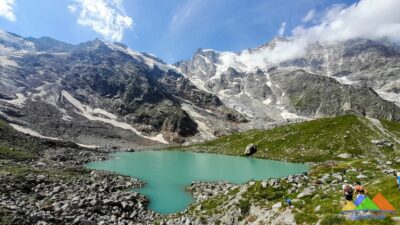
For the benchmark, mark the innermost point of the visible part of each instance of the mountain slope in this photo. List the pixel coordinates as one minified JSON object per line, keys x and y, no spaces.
{"x":359,"y":62}
{"x":343,"y":149}
{"x":248,"y":82}
{"x":317,"y":140}
{"x":104,"y":94}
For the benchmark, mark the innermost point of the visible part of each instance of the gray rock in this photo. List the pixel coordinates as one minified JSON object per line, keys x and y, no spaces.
{"x":389,"y":171}
{"x":306,"y":192}
{"x":272,"y":182}
{"x":250,"y":149}
{"x":345,"y":155}
{"x":41,"y":223}
{"x":277,"y":206}
{"x":40,"y":177}
{"x":337,"y":176}
{"x":361,"y":176}
{"x":57,"y":189}
{"x":382,"y":143}
{"x":264,"y":184}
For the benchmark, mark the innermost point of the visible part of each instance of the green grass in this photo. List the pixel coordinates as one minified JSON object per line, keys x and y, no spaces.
{"x":4,"y":124}
{"x":393,"y":127}
{"x":20,"y":171}
{"x":311,"y":141}
{"x":257,"y":193}
{"x":210,"y":206}
{"x":5,"y":216}
{"x":330,"y":202}
{"x":14,"y":154}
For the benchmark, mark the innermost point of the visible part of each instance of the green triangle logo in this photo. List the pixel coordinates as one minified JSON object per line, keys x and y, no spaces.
{"x":367,"y":205}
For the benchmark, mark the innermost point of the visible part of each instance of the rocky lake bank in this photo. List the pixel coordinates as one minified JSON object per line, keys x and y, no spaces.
{"x":45,"y":182}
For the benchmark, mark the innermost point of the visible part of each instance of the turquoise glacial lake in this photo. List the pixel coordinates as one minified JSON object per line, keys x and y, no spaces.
{"x":167,"y":173}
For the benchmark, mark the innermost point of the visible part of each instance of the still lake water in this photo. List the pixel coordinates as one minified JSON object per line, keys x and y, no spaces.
{"x":167,"y":173}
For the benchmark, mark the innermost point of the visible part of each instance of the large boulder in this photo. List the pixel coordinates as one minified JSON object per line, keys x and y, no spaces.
{"x":250,"y":149}
{"x":382,"y":143}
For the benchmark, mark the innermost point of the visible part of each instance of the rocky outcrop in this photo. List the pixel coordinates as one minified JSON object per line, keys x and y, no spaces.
{"x":181,"y":124}
{"x":95,"y":198}
{"x":317,"y":96}
{"x":250,"y":149}
{"x":382,"y":143}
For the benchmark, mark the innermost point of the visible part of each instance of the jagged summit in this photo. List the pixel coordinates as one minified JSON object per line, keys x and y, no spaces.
{"x":100,"y":93}
{"x":136,"y":97}
{"x":252,"y":84}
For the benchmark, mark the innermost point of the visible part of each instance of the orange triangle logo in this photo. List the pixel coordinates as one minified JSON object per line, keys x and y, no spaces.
{"x":382,"y":203}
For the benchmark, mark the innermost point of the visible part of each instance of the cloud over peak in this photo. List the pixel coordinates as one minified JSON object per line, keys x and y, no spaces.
{"x":368,"y":19}
{"x":106,"y":17}
{"x":7,"y":9}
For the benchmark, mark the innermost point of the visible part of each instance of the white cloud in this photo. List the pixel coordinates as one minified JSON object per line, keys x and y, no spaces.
{"x":106,"y":17}
{"x":7,"y":9}
{"x":282,"y":29}
{"x":184,"y":14}
{"x":310,"y":15}
{"x":72,"y":8}
{"x":369,"y":19}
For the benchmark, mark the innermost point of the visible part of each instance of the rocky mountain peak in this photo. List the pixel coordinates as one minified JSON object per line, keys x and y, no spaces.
{"x":144,"y":100}
{"x":48,"y":44}
{"x":249,"y":83}
{"x":272,"y":43}
{"x":103,"y":93}
{"x":12,"y":42}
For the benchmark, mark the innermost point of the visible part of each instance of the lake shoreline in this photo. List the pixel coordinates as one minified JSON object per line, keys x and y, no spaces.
{"x":156,"y":167}
{"x":200,"y":190}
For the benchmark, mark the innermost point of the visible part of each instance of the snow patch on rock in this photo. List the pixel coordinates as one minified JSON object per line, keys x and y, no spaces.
{"x":86,"y":112}
{"x":19,"y":101}
{"x":5,"y":61}
{"x":30,"y":132}
{"x":88,"y":146}
{"x":205,"y":131}
{"x":390,"y":96}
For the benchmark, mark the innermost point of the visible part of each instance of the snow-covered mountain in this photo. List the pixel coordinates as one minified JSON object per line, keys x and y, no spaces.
{"x":330,"y":79}
{"x":100,"y":93}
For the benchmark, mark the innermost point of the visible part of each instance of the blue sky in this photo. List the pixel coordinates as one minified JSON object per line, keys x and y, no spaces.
{"x":170,"y":29}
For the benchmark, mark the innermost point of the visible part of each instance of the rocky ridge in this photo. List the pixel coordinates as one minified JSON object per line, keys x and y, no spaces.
{"x":104,"y":94}
{"x":270,"y":92}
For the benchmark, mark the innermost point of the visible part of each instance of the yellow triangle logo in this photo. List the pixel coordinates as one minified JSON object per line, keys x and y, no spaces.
{"x":349,"y":206}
